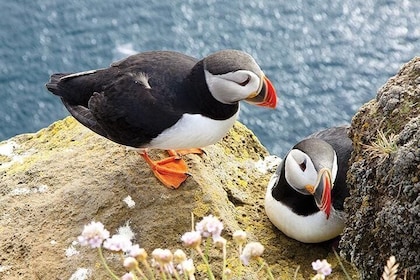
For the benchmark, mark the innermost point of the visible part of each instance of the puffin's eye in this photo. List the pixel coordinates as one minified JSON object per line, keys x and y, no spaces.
{"x":244,"y":83}
{"x":303,"y":165}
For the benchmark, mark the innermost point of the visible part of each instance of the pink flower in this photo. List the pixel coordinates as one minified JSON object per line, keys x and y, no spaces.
{"x":118,"y":243}
{"x":187,"y":267}
{"x":162,"y":255}
{"x":239,"y":237}
{"x":220,"y":242}
{"x":191,"y":239}
{"x":93,"y":235}
{"x":135,"y":251}
{"x":179,"y":256}
{"x":163,"y":258}
{"x":130,"y":263}
{"x":210,"y":226}
{"x":252,"y":250}
{"x":322,"y":267}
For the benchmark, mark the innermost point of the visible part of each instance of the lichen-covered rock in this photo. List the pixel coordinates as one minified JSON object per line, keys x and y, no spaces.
{"x":384,"y":179}
{"x":57,"y":180}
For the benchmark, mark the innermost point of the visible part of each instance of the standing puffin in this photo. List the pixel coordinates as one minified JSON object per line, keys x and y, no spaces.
{"x":165,"y":100}
{"x":305,"y":196}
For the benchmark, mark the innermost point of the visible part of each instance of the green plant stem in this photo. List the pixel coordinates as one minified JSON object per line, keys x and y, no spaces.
{"x":176,"y":274}
{"x":135,"y":276}
{"x":101,"y":255}
{"x":262,"y":264}
{"x":163,"y":274}
{"x":207,"y":246}
{"x":148,"y":269}
{"x":341,"y":265}
{"x":138,"y":269}
{"x":206,"y":262}
{"x":239,"y":258}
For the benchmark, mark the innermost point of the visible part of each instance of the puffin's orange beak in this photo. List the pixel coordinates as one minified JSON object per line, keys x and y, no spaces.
{"x":322,"y":192}
{"x":266,"y":97}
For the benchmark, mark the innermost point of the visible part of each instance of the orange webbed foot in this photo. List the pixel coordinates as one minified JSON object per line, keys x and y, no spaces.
{"x":171,"y":171}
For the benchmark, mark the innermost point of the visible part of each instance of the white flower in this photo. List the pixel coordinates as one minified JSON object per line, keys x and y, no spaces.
{"x":179,"y":256}
{"x":164,"y":257}
{"x":322,"y":267}
{"x":130,"y":263}
{"x":118,"y":243}
{"x":93,"y":235}
{"x":191,"y":239}
{"x":126,"y":231}
{"x":136,"y":252}
{"x":220,"y":242}
{"x":239,"y":237}
{"x":187,"y":267}
{"x":210,"y":226}
{"x":252,"y":250}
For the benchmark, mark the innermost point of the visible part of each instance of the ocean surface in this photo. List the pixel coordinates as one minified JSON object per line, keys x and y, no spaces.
{"x":326,"y":58}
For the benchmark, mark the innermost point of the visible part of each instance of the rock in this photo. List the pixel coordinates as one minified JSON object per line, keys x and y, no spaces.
{"x":384,"y":204}
{"x":61,"y":178}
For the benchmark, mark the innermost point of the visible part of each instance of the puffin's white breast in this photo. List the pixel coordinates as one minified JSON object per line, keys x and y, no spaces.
{"x":308,"y":229}
{"x":193,"y":131}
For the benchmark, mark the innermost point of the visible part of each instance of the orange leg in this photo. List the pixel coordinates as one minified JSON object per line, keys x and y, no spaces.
{"x":183,"y":152}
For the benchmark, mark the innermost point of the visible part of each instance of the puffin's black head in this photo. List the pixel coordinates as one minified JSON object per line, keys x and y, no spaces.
{"x":311,"y":168}
{"x":233,"y":75}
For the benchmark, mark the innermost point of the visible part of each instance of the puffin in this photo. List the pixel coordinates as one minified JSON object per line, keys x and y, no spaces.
{"x":305,"y":196}
{"x":165,"y":100}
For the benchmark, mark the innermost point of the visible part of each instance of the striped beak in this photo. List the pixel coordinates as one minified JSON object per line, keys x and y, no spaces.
{"x":322,"y":191}
{"x":266,"y":96}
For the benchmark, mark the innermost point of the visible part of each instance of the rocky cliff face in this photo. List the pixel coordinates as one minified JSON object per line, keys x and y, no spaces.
{"x":384,"y":204}
{"x":57,"y":180}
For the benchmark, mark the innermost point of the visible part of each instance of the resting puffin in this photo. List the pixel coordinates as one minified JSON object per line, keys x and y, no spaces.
{"x":305,"y":196}
{"x":165,"y":100}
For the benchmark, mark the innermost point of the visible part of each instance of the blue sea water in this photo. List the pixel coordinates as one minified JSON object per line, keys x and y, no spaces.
{"x":326,"y":58}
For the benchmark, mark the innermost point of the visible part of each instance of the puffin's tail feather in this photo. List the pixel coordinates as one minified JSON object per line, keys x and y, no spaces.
{"x":73,"y":88}
{"x":52,"y":84}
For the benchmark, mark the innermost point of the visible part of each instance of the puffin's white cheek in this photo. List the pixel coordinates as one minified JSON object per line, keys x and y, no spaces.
{"x":295,"y":176}
{"x":218,"y":87}
{"x":227,"y":88}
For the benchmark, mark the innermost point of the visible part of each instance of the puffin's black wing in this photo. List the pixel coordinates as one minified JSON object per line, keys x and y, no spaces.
{"x":130,"y":102}
{"x":133,"y":115}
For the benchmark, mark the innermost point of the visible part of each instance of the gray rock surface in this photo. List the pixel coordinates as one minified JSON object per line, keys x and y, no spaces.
{"x":384,"y":204}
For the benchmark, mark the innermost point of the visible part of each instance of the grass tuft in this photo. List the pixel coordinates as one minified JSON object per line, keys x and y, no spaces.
{"x":383,"y":146}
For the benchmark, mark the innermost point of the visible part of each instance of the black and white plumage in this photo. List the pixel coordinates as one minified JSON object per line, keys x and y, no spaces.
{"x":164,"y":99}
{"x":305,"y":196}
